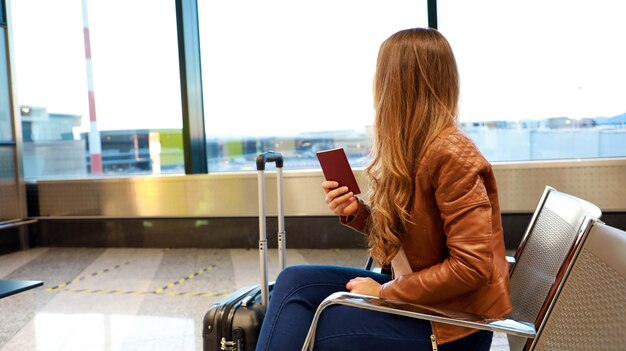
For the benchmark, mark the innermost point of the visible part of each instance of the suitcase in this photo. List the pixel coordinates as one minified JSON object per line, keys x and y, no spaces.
{"x":234,"y":322}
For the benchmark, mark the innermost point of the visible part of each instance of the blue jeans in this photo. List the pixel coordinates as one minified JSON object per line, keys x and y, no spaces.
{"x":300,"y":289}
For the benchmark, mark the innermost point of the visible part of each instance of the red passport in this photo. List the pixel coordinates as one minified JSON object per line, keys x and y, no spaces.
{"x":336,"y":168}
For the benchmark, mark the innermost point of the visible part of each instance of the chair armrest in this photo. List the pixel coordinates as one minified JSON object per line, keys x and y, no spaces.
{"x":507,"y":326}
{"x":511,"y":261}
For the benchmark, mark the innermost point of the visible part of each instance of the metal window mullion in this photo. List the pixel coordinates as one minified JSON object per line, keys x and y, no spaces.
{"x":18,"y":149}
{"x":432,"y":13}
{"x":3,"y":19}
{"x":194,"y":137}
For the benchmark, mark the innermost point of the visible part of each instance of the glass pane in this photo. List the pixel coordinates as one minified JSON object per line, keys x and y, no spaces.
{"x":8,"y":184}
{"x":117,"y":66}
{"x":293,"y":76}
{"x":540,"y":79}
{"x":6,"y":127}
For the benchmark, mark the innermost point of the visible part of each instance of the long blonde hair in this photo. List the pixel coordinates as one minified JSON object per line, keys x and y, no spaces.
{"x":416,"y":93}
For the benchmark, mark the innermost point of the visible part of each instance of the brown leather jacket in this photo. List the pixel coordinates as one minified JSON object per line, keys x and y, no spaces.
{"x":456,"y":247}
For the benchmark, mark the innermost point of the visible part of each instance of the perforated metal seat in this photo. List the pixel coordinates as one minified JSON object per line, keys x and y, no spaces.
{"x":589,"y":311}
{"x":557,"y":224}
{"x":555,"y":232}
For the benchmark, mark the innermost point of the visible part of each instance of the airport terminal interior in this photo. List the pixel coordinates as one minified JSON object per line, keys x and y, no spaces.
{"x":132,"y":200}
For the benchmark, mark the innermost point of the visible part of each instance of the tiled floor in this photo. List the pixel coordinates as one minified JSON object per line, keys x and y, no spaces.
{"x":131,"y":299}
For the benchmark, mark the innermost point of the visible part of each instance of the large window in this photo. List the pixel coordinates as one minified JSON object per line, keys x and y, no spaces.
{"x":293,"y":76}
{"x":98,"y":83}
{"x":98,"y":87}
{"x":540,"y":79}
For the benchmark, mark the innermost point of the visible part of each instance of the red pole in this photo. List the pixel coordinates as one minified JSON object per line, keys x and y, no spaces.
{"x":95,"y":147}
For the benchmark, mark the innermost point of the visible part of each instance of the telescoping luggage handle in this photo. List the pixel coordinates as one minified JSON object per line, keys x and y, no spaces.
{"x":261,"y":160}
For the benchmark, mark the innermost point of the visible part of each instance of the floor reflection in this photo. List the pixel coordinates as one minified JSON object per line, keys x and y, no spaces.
{"x":92,"y":331}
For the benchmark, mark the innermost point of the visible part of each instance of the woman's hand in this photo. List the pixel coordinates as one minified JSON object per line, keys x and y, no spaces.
{"x":364,"y":286}
{"x":339,"y":199}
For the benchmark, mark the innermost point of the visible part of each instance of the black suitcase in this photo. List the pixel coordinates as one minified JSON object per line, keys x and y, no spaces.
{"x":233,"y":323}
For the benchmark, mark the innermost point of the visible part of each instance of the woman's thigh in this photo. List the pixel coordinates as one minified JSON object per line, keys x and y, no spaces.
{"x":295,"y":297}
{"x":300,"y":289}
{"x":349,"y":328}
{"x":310,"y":284}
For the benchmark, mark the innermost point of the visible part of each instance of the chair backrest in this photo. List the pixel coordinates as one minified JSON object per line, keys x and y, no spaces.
{"x":558,"y":223}
{"x":589,"y":311}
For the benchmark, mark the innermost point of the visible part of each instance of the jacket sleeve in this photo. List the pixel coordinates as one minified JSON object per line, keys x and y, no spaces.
{"x":455,"y":169}
{"x":360,"y":220}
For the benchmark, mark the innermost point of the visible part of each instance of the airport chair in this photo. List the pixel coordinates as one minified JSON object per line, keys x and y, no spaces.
{"x":588,"y":312}
{"x":556,"y":230}
{"x":557,"y":224}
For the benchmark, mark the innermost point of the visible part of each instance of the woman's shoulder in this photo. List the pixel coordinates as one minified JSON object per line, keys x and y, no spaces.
{"x":452,"y":140}
{"x":452,"y":145}
{"x":453,"y":164}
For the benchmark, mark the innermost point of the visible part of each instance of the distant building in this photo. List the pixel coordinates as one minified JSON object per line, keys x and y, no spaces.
{"x":49,"y":146}
{"x":39,"y":125}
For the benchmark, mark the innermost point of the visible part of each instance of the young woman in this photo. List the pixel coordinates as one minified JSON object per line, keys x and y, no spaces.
{"x":432,"y":215}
